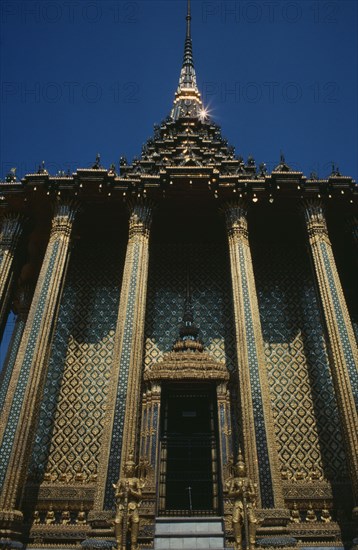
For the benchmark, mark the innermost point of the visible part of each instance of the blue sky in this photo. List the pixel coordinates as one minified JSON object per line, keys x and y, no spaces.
{"x":85,"y":76}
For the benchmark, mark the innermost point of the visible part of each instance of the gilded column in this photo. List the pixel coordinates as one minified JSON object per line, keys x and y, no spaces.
{"x":125,"y":385}
{"x":25,"y":387}
{"x":343,"y":349}
{"x":257,"y":424}
{"x":9,"y":237}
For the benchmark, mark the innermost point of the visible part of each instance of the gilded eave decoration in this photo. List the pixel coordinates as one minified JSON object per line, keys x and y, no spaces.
{"x":187,"y":366}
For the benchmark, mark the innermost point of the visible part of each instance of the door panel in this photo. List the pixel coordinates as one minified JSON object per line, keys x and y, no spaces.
{"x":188,"y":481}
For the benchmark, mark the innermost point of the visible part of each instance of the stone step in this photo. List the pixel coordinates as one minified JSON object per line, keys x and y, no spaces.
{"x":189,"y":533}
{"x":189,"y":527}
{"x":189,"y":543}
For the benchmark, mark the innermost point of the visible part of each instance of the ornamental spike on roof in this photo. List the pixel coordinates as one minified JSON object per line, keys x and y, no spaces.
{"x":187,"y":101}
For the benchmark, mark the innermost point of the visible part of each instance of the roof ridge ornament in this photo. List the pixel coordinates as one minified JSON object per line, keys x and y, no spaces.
{"x":282,"y":166}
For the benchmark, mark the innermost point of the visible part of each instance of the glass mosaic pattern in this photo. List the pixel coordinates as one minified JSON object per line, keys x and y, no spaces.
{"x":305,"y":410}
{"x":355,"y":328}
{"x":211,"y":297}
{"x":70,"y":424}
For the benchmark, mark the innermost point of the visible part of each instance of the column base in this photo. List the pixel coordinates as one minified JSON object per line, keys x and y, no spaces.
{"x":101,"y":520}
{"x":272,"y":522}
{"x":102,"y":525}
{"x":11,"y":522}
{"x":99,"y":544}
{"x":286,"y":543}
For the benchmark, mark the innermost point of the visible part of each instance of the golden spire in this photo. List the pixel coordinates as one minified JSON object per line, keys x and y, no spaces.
{"x":187,"y":102}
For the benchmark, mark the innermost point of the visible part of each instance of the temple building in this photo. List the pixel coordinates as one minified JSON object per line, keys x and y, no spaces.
{"x":183,"y":325}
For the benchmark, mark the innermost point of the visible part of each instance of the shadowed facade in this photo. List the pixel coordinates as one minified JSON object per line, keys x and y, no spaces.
{"x":181,"y":313}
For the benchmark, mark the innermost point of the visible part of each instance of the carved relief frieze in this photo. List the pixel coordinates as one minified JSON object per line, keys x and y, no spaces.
{"x":321,"y":490}
{"x":52,"y":493}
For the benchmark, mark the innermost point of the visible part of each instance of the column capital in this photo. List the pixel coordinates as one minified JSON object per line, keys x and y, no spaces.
{"x":236,"y":217}
{"x":64,"y":213}
{"x":140,"y":217}
{"x":11,"y":227}
{"x":314,"y":213}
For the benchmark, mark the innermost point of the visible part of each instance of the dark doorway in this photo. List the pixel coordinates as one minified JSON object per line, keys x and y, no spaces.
{"x":188,"y":480}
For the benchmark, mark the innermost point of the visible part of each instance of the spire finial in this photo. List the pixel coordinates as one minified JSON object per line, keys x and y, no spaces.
{"x":188,"y":21}
{"x":188,"y":47}
{"x":187,"y":102}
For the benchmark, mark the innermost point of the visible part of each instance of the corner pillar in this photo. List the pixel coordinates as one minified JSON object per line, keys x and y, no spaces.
{"x":257,"y":423}
{"x":21,"y":405}
{"x":122,"y":420}
{"x":341,"y":340}
{"x":21,"y":307}
{"x":11,"y":231}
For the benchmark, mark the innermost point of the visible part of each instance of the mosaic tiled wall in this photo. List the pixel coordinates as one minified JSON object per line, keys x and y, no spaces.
{"x":69,"y":432}
{"x":355,"y":328}
{"x":211,"y":296}
{"x":305,"y":410}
